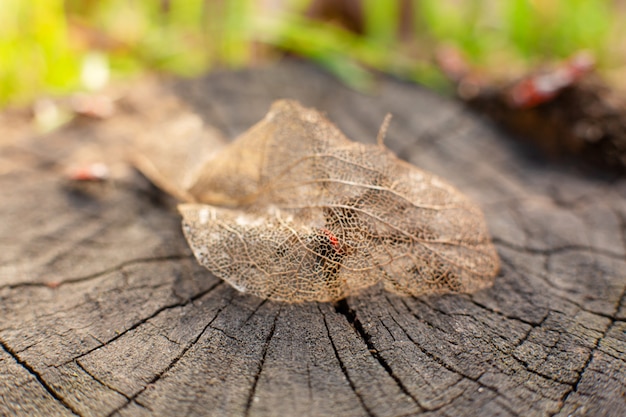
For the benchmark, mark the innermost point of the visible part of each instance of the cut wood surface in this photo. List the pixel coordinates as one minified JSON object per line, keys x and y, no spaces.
{"x":105,"y":312}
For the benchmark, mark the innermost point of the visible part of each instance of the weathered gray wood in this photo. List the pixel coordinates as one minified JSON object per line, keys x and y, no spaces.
{"x":104,"y":312}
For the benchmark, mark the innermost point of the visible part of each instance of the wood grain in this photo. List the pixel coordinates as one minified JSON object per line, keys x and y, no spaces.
{"x":104,"y":312}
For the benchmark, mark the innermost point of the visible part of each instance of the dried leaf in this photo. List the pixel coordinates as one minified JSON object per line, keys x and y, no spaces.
{"x":294,"y":211}
{"x":173,"y":162}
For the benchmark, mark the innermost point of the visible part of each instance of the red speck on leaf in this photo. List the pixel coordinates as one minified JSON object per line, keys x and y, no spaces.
{"x":332,"y":238}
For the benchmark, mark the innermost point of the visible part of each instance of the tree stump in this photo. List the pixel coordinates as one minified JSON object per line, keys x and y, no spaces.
{"x":105,"y":312}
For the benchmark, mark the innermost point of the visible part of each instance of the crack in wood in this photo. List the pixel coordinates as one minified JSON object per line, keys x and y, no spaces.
{"x":451,"y":399}
{"x":90,"y":301}
{"x":146,"y":319}
{"x":498,"y":313}
{"x":173,"y":363}
{"x":579,"y":202}
{"x":442,"y":363}
{"x":509,"y":353}
{"x":543,"y":278}
{"x":434,"y":358}
{"x":80,"y":365}
{"x":529,"y":332}
{"x":342,"y":307}
{"x":557,"y":250}
{"x":87,"y":226}
{"x":621,"y":358}
{"x":527,"y":368}
{"x":130,"y":262}
{"x":574,"y":387}
{"x":593,"y":350}
{"x":525,"y":364}
{"x":522,"y":362}
{"x":253,"y":312}
{"x":343,"y":368}
{"x":39,"y":378}
{"x":93,"y":228}
{"x":381,"y":321}
{"x":506,"y":316}
{"x":257,"y":375}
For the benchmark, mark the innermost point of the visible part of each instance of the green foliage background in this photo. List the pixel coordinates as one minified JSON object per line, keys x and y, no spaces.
{"x":46,"y":45}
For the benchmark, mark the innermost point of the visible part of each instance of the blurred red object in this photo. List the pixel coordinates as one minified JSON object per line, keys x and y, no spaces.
{"x":96,"y":172}
{"x":540,"y":88}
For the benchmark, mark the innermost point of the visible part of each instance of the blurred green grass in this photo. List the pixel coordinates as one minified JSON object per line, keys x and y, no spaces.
{"x":50,"y":47}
